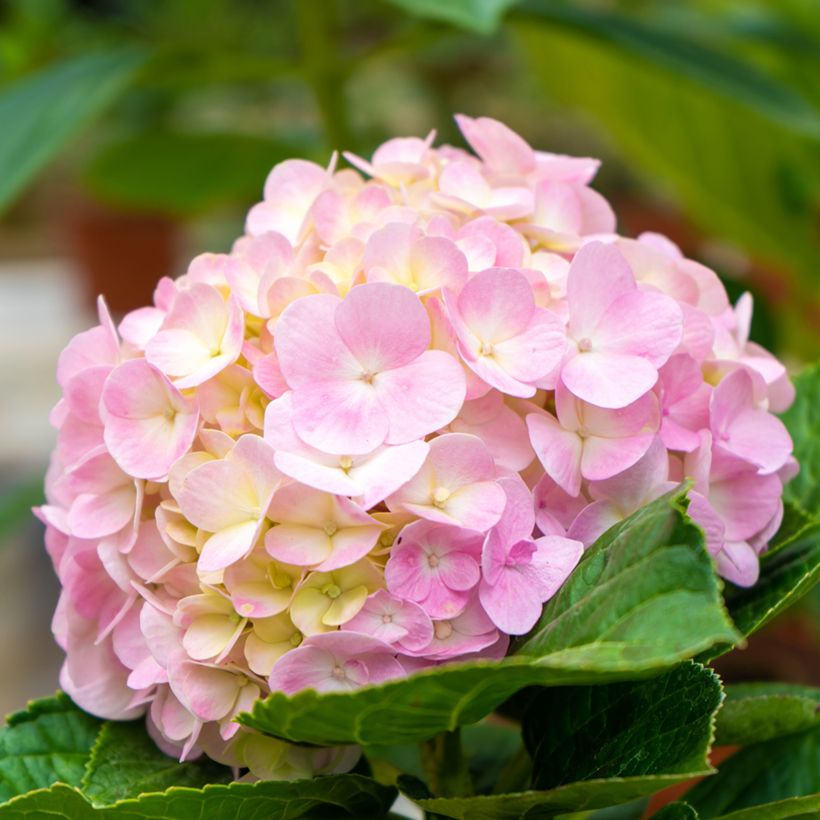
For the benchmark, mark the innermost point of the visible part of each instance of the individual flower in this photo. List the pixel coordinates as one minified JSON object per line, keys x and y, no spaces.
{"x":361,"y":372}
{"x":619,"y":335}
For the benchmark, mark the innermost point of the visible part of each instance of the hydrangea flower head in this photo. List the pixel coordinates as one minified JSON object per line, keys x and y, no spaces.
{"x":379,"y":434}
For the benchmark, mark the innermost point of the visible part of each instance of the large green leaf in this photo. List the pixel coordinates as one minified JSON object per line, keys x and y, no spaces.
{"x":738,"y":174}
{"x":778,"y":769}
{"x":645,"y":589}
{"x":185,"y":173}
{"x":481,"y":16}
{"x":40,"y":114}
{"x":794,"y":808}
{"x":644,"y":597}
{"x":50,"y":741}
{"x":125,"y":762}
{"x":803,"y":422}
{"x":332,"y":796}
{"x":595,"y":746}
{"x":755,"y":712}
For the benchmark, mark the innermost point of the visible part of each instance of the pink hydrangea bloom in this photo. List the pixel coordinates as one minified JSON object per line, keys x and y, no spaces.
{"x":377,"y":435}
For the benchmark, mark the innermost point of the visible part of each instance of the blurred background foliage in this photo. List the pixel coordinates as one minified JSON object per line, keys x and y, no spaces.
{"x":161,"y":118}
{"x":707,"y":111}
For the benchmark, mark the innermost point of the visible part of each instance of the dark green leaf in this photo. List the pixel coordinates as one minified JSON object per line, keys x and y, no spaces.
{"x":755,"y":712}
{"x":795,"y":808}
{"x":481,"y":16}
{"x":185,"y":173}
{"x":50,"y":741}
{"x":658,"y":726}
{"x":803,"y":422}
{"x":596,"y":746}
{"x":42,"y":113}
{"x":644,"y":597}
{"x":332,"y":796}
{"x":125,"y":762}
{"x":785,"y":767}
{"x":676,"y":811}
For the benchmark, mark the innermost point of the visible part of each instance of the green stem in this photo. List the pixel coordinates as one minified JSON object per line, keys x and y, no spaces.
{"x":316,"y":30}
{"x":445,"y":765}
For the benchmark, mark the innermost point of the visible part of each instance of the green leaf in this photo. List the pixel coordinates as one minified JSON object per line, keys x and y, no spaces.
{"x":781,"y":768}
{"x":644,"y":597}
{"x":676,"y":811}
{"x":125,"y":762}
{"x":185,"y":174}
{"x":786,"y":575}
{"x":49,"y":741}
{"x":596,"y":746}
{"x":681,"y":52}
{"x":480,"y":16}
{"x":795,"y":808}
{"x":333,"y":796}
{"x":755,"y":712}
{"x":646,"y":590}
{"x":803,"y":422}
{"x":658,"y":726}
{"x":42,"y":113}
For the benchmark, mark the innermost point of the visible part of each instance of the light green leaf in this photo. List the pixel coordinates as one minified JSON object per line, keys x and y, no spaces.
{"x":333,"y":796}
{"x":803,"y":422}
{"x":680,"y":52}
{"x":125,"y":762}
{"x":755,"y":712}
{"x":49,"y":741}
{"x":596,"y":746}
{"x":795,"y":808}
{"x":185,"y":174}
{"x":645,"y":589}
{"x":781,"y":768}
{"x":481,"y":16}
{"x":644,"y":597}
{"x":40,"y":114}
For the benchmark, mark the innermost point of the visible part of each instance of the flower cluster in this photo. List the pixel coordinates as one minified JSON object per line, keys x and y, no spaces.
{"x":378,"y":435}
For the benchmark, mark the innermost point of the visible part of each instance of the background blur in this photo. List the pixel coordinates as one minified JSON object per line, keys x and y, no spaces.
{"x":136,"y":133}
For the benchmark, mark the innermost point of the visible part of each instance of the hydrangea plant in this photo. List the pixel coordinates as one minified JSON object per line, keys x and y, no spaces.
{"x":432,"y":447}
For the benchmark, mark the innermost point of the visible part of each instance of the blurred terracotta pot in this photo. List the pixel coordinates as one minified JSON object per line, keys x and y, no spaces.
{"x":120,"y":253}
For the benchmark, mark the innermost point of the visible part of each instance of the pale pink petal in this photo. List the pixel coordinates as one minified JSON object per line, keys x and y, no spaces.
{"x":229,"y":545}
{"x":738,"y":562}
{"x":351,"y":417}
{"x":308,"y":345}
{"x":384,"y":326}
{"x":606,"y":457}
{"x":610,"y":380}
{"x":597,"y":276}
{"x":558,"y":450}
{"x":504,"y":151}
{"x":640,"y":323}
{"x":149,"y":424}
{"x":512,"y":602}
{"x":386,"y":470}
{"x":420,"y":397}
